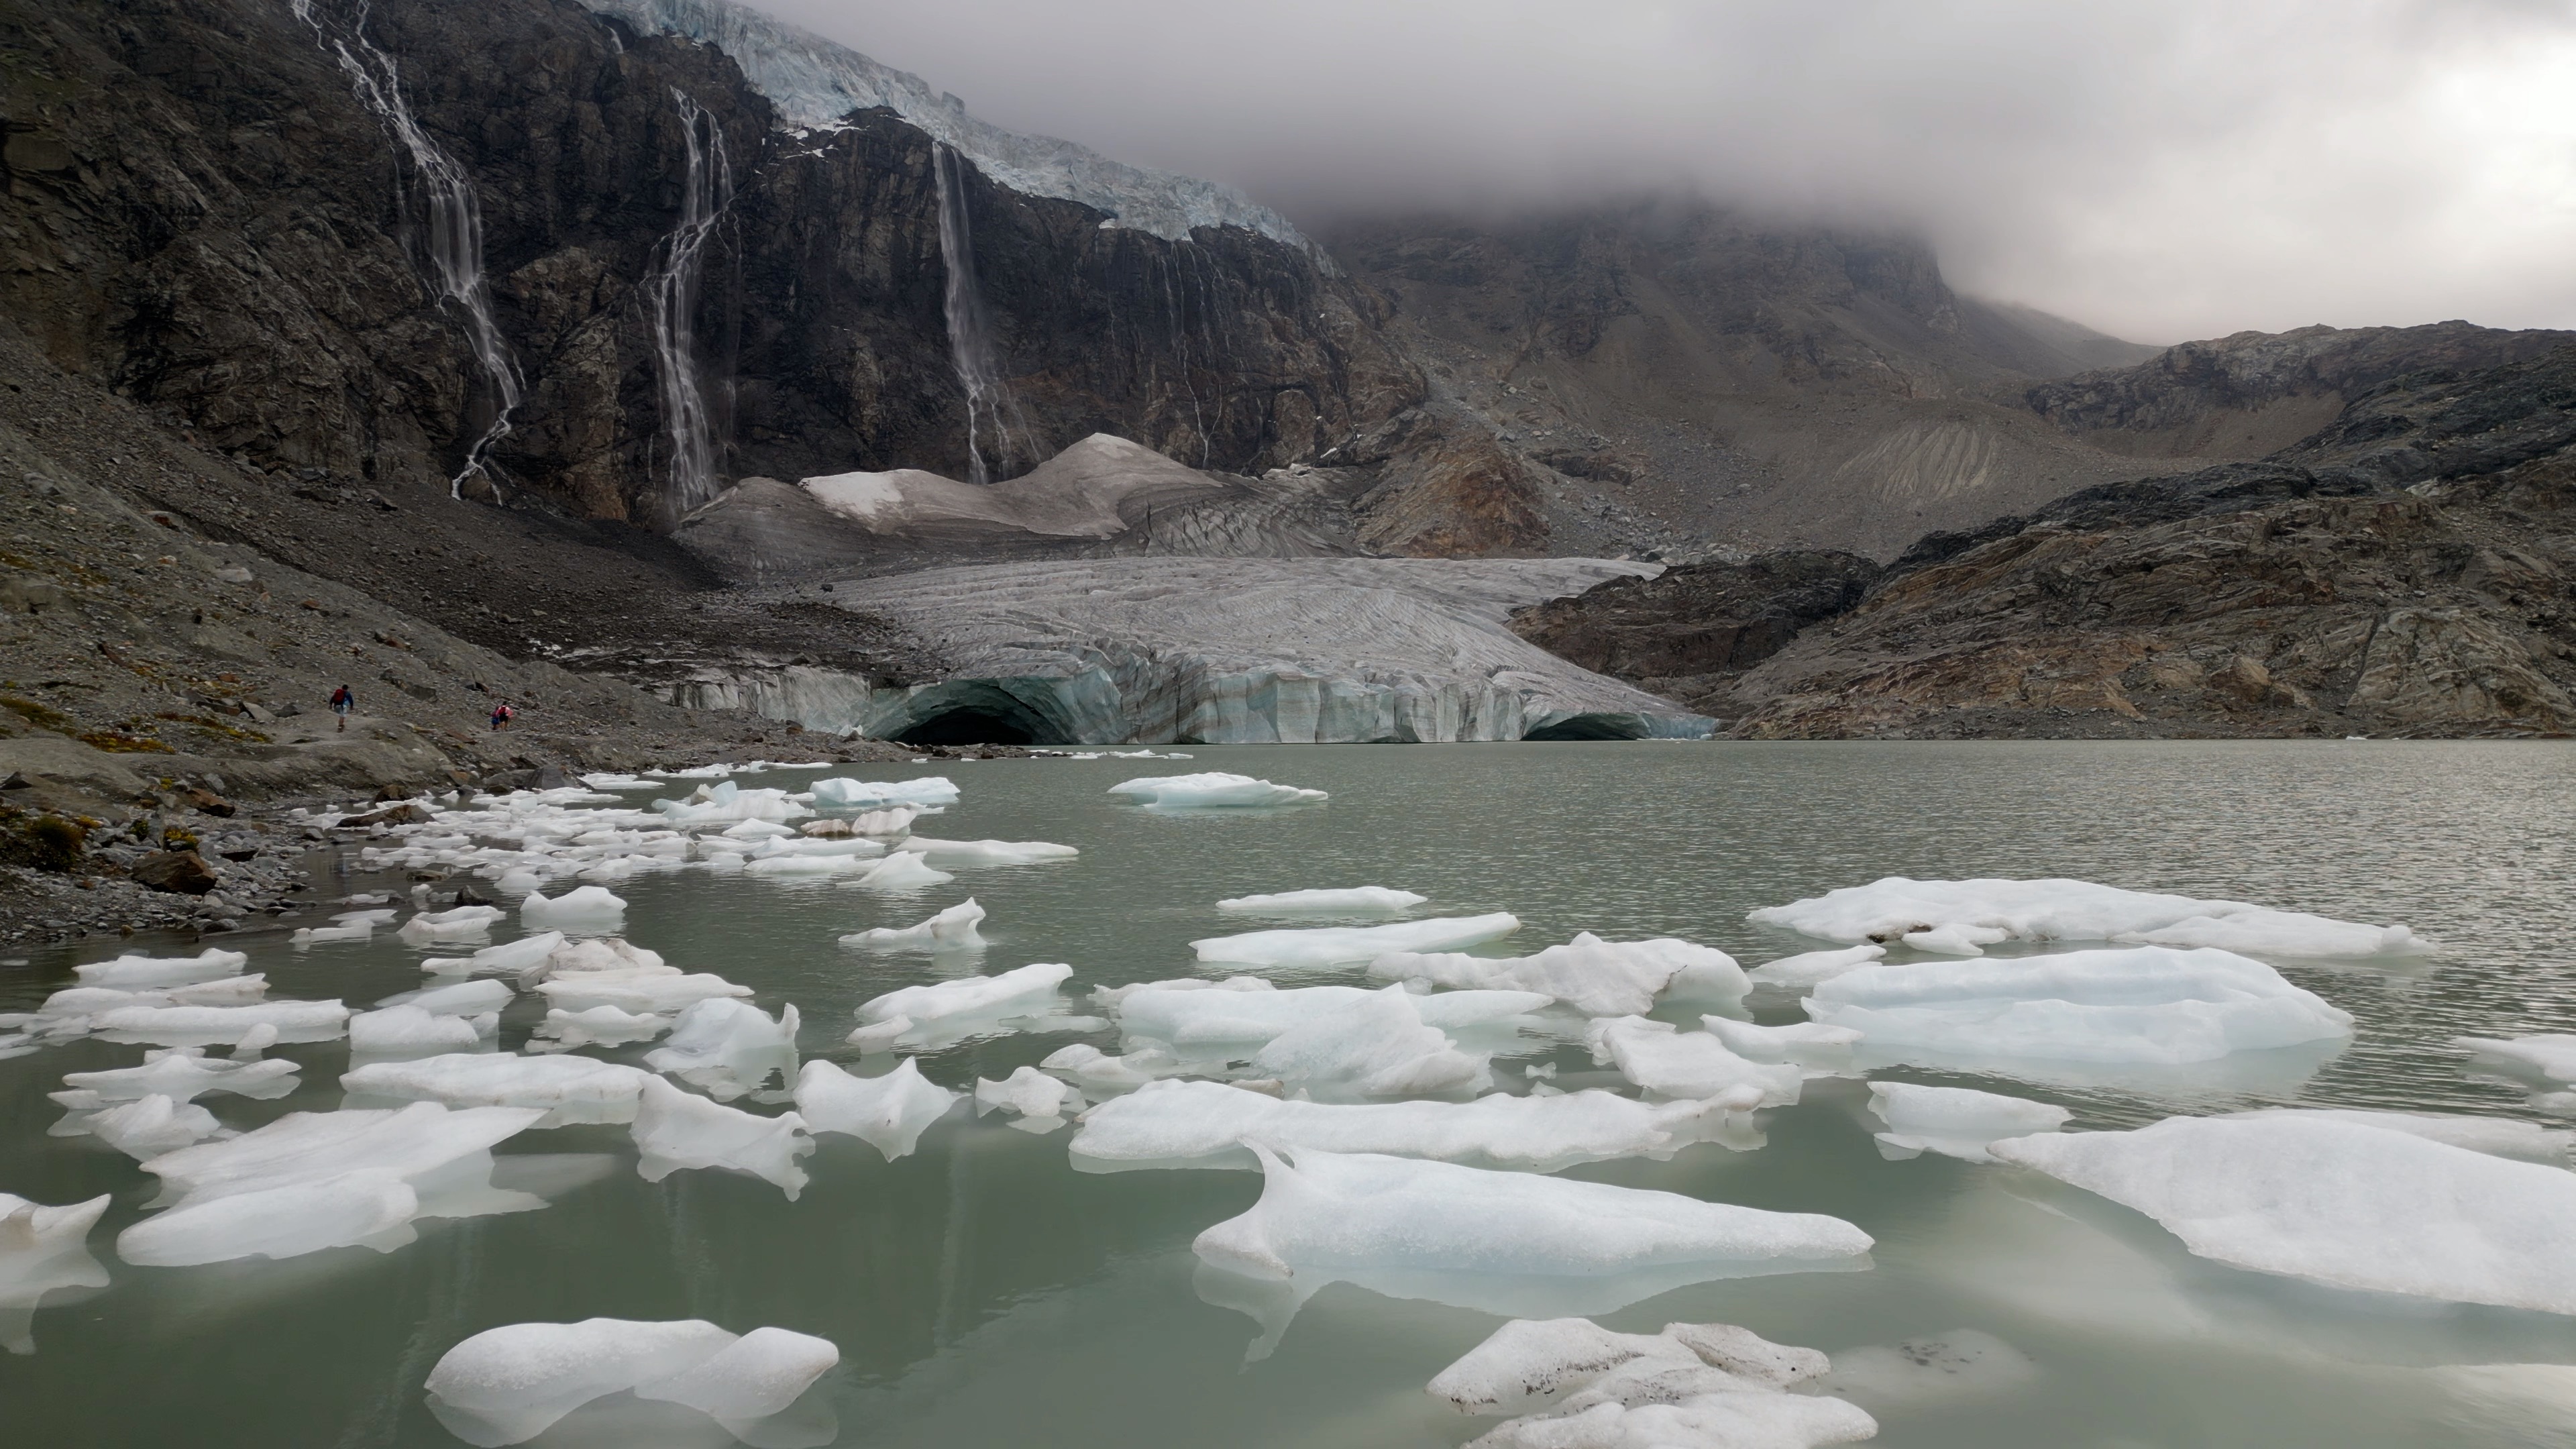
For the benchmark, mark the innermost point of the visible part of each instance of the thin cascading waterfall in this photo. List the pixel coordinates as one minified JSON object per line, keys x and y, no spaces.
{"x":989,"y":403}
{"x":1175,"y":302}
{"x":671,"y":290}
{"x":454,"y":238}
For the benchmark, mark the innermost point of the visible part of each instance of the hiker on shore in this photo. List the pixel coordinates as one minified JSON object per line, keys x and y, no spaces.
{"x":502,"y":714}
{"x":342,"y":701}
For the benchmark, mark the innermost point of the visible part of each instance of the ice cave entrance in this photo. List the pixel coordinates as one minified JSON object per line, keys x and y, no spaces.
{"x":1591,"y":727}
{"x":974,"y":713}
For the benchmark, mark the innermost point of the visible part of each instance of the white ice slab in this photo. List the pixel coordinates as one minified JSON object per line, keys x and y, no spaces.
{"x":934,"y":790}
{"x":1027,"y":990}
{"x":1173,"y":1012}
{"x":676,"y":1129}
{"x":569,"y":1089}
{"x":43,"y":1251}
{"x":888,"y":1112}
{"x":2075,"y":910}
{"x":294,"y":1021}
{"x":411,"y":1031}
{"x":1694,"y":1386}
{"x":1378,"y":1046}
{"x":1332,"y":945}
{"x":583,"y":908}
{"x":728,"y":1048}
{"x":1213,"y":790}
{"x":1955,"y":1121}
{"x":953,"y":929}
{"x":969,"y":853}
{"x":1695,"y":1065}
{"x":1593,"y":976}
{"x":508,"y":1385}
{"x":1350,"y":901}
{"x":140,"y":972}
{"x":182,"y":1074}
{"x":1811,"y":968}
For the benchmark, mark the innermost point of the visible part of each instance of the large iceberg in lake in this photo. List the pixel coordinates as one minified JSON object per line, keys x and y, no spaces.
{"x":43,"y":1251}
{"x":888,"y":1112}
{"x":2144,"y":1004}
{"x":1205,"y":1124}
{"x":1213,"y":790}
{"x":1576,"y":1385}
{"x":1334,"y":945}
{"x":1959,"y":917}
{"x":2337,"y":1202}
{"x":934,"y":791}
{"x":1593,"y":976}
{"x":508,"y":1385}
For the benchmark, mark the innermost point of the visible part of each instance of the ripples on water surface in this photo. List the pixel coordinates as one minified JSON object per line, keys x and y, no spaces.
{"x":983,"y":1293}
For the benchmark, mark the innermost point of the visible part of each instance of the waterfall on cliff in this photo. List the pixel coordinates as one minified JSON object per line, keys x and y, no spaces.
{"x":970,"y":342}
{"x":671,"y":288}
{"x":454,"y":240}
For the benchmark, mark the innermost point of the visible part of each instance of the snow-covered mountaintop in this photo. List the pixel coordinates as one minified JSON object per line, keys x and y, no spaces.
{"x":814,"y":82}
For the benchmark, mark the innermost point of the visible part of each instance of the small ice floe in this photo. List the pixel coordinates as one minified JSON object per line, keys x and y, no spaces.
{"x":607,"y":781}
{"x":1961,"y":917}
{"x":1039,"y":1100}
{"x":1351,"y":901}
{"x":2494,"y":1136}
{"x":1954,"y":1121}
{"x":1575,"y":1385}
{"x":569,"y":1089}
{"x":1206,"y":1124}
{"x":412,"y":1031}
{"x":1961,"y":1366}
{"x":44,"y":1252}
{"x":463,"y":923}
{"x":360,"y":930}
{"x":1335,"y":945}
{"x":950,"y":930}
{"x":149,"y":1126}
{"x":1806,"y":1043}
{"x":888,"y":1112}
{"x":508,"y":1385}
{"x":1109,"y":998}
{"x":526,"y":955}
{"x":76,"y":1010}
{"x":1249,"y":1011}
{"x":464,"y":998}
{"x":728,"y":1048}
{"x":182,"y":1074}
{"x":932,"y":791}
{"x":900,"y":871}
{"x":950,"y":1010}
{"x":315,"y":1180}
{"x":2144,"y":1004}
{"x":676,"y":1130}
{"x":294,"y":1021}
{"x":2336,"y":1202}
{"x":583,"y":908}
{"x":564,"y":1031}
{"x":1593,"y":976}
{"x":134,"y":973}
{"x":1213,"y":790}
{"x":727,"y":803}
{"x":1813,"y":968}
{"x":892,"y":821}
{"x":969,"y":853}
{"x":1377,"y":1046}
{"x":1695,"y":1065}
{"x":2550,"y":1057}
{"x":1100,"y":1074}
{"x":637,"y":990}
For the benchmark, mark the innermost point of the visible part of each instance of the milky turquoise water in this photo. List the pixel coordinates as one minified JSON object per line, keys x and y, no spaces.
{"x":984,"y":1293}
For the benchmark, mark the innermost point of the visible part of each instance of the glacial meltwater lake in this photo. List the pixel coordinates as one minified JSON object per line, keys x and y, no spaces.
{"x":983,"y":1292}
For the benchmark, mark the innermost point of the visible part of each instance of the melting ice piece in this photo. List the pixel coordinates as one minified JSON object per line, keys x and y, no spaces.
{"x":331,"y":935}
{"x":1174,"y":1013}
{"x":1110,"y":998}
{"x":1797,"y":973}
{"x":527,"y":954}
{"x":2354,"y":1206}
{"x":465,"y":998}
{"x":1377,"y":1046}
{"x":1695,"y":1065}
{"x":894,"y":821}
{"x":1959,"y":1366}
{"x":43,"y":1251}
{"x":205,"y":1025}
{"x":986,"y":852}
{"x":315,"y":1180}
{"x":508,"y":1385}
{"x":569,"y":1089}
{"x":149,"y":1126}
{"x":1332,"y":945}
{"x":677,"y":1129}
{"x":1027,"y":990}
{"x":1576,"y":1385}
{"x":644,"y":990}
{"x":1205,"y":1124}
{"x":1803,"y":1042}
{"x":2074,"y":910}
{"x":182,"y":1074}
{"x":2146,"y":1004}
{"x":951,"y":930}
{"x":138,"y":972}
{"x":2551,"y":1055}
{"x":888,"y":1112}
{"x":1355,"y":901}
{"x":728,"y":1047}
{"x":2494,"y":1136}
{"x":1213,"y":790}
{"x":901,"y":871}
{"x":1954,"y":1121}
{"x":565,"y":1031}
{"x":1026,"y":1091}
{"x":1593,"y":976}
{"x":412,"y":1031}
{"x":464,"y":923}
{"x":1099,"y":1073}
{"x":725,"y":803}
{"x":583,"y":908}
{"x":1328,"y":1212}
{"x":603,"y":953}
{"x":935,"y":790}
{"x":803,"y":866}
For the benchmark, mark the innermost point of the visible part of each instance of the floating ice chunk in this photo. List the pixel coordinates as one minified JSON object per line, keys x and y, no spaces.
{"x":181,"y":1074}
{"x":986,"y":852}
{"x":589,"y":907}
{"x":845,"y":848}
{"x":1354,"y":901}
{"x":1954,"y":1121}
{"x":1959,"y":1366}
{"x":888,"y":1112}
{"x":728,"y":1047}
{"x":411,"y":1031}
{"x":1593,"y":976}
{"x":1378,"y":1046}
{"x":465,"y":998}
{"x":75,"y":1010}
{"x":1332,"y":945}
{"x":137,"y":972}
{"x":1205,"y":1124}
{"x":1098,"y":1073}
{"x":149,"y":1126}
{"x":806,"y":866}
{"x":2074,"y":910}
{"x":1955,"y":939}
{"x":332,"y":935}
{"x":845,"y":792}
{"x":565,"y":1031}
{"x":527,"y":954}
{"x":1213,"y":790}
{"x":2143,"y":1004}
{"x":1174,"y":1012}
{"x":463,"y":923}
{"x":314,"y":1180}
{"x":951,"y":930}
{"x":1024,"y":991}
{"x":569,"y":1089}
{"x":641,"y":990}
{"x":1670,"y":1062}
{"x":43,"y":1250}
{"x":676,"y":1129}
{"x":610,"y":953}
{"x":1797,"y":973}
{"x":1110,"y":998}
{"x":728,"y":803}
{"x":203,"y":1025}
{"x":1026,"y":1091}
{"x":901,"y":871}
{"x":757,"y":1375}
{"x":373,"y":917}
{"x":608,"y":781}
{"x":2494,"y":1136}
{"x":2354,"y":1206}
{"x":884,"y":822}
{"x":1804,"y":1042}
{"x":755,"y":830}
{"x":508,"y":1385}
{"x":2551,"y":1055}
{"x":1326,"y":1211}
{"x":1528,"y":1363}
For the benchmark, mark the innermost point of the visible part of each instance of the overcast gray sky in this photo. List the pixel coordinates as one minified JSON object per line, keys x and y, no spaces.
{"x":2161,"y":169}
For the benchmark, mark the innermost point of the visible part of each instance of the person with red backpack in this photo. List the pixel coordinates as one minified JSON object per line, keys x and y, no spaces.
{"x":502,"y":714}
{"x":342,"y":702}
